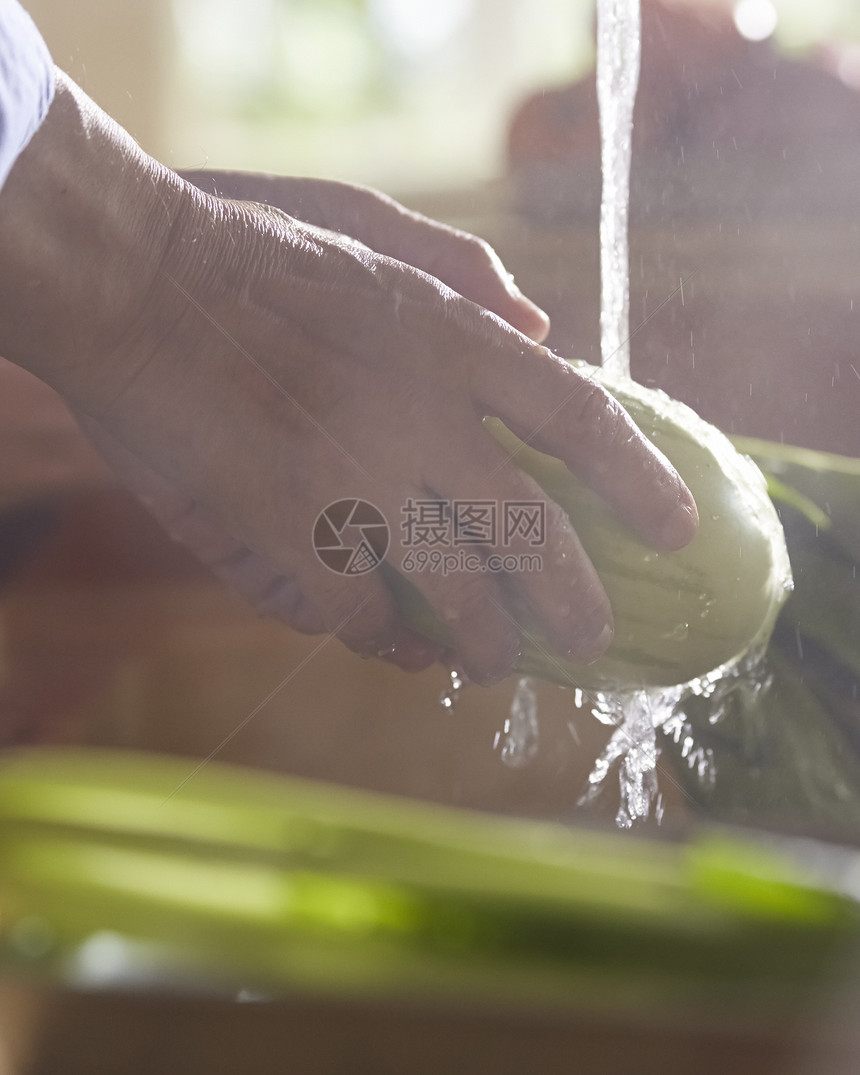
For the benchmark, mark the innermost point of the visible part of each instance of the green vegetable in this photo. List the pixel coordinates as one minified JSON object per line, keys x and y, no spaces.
{"x":828,"y":484}
{"x":678,"y":615}
{"x":249,"y":880}
{"x":786,"y":746}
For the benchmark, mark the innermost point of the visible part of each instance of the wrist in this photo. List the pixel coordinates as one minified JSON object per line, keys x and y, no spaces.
{"x":85,"y":219}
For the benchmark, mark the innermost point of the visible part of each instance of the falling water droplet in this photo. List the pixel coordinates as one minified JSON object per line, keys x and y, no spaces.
{"x":519,"y":737}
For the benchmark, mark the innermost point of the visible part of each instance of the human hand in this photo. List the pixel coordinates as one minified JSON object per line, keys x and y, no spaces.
{"x":463,"y":261}
{"x":353,"y":375}
{"x":264,"y":368}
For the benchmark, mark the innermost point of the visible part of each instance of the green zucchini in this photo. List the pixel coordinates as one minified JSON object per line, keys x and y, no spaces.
{"x":680,"y":615}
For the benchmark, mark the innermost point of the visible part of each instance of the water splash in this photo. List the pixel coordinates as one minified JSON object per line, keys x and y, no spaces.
{"x":637,"y":716}
{"x":451,"y":695}
{"x":518,"y":740}
{"x":640,"y":718}
{"x":618,"y":51}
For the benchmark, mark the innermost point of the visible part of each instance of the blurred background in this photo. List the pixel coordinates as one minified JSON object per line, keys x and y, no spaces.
{"x":407,"y":95}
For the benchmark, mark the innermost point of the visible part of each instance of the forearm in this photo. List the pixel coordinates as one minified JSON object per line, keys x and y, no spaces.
{"x":85,"y":217}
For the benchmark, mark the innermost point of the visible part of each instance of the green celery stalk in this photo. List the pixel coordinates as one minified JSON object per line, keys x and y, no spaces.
{"x":275,"y":883}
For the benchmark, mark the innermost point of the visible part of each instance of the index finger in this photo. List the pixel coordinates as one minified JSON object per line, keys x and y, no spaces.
{"x":566,"y":413}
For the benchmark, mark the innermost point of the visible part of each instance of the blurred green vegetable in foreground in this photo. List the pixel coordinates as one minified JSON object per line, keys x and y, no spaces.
{"x":248,"y":880}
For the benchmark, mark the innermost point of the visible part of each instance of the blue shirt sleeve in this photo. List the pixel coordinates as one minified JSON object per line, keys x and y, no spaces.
{"x":26,"y":82}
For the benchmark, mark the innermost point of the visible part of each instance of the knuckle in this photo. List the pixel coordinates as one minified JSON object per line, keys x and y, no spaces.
{"x":558,"y":527}
{"x":472,"y":252}
{"x":598,"y":419}
{"x":358,"y":614}
{"x":591,"y":403}
{"x":276,"y":595}
{"x":482,"y":255}
{"x":467,"y":601}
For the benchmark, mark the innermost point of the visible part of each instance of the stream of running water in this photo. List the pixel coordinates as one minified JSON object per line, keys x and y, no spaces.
{"x":618,"y":51}
{"x":636,"y":715}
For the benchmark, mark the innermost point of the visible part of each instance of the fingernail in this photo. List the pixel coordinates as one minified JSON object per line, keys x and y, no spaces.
{"x":681,"y":526}
{"x":493,"y":672}
{"x":413,"y":653}
{"x":600,"y":645}
{"x":406,"y":649}
{"x":523,"y":300}
{"x":591,"y":644}
{"x":537,"y":312}
{"x":512,"y":289}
